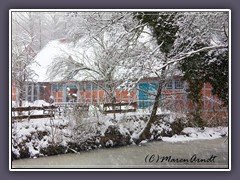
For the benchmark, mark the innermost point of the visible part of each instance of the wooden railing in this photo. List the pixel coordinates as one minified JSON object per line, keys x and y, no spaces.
{"x":48,"y":111}
{"x":119,"y":107}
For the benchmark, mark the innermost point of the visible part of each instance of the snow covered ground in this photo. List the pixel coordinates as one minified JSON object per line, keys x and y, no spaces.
{"x":35,"y":103}
{"x":191,"y":134}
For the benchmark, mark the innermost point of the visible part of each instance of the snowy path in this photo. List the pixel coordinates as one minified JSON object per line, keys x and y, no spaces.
{"x":149,"y":155}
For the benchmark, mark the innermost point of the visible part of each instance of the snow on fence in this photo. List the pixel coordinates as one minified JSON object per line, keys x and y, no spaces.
{"x":79,"y":105}
{"x":122,"y":107}
{"x":47,"y":111}
{"x":119,"y":107}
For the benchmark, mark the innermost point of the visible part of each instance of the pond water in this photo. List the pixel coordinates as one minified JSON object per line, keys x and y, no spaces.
{"x":192,"y":154}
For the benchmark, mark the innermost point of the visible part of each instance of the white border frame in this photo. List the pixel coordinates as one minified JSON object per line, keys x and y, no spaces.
{"x":114,"y":10}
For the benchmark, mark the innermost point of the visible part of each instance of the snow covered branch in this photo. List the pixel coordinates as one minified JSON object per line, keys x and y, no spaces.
{"x":186,"y":55}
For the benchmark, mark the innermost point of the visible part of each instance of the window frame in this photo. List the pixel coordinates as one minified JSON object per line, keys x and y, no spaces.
{"x":167,"y":85}
{"x":178,"y":84}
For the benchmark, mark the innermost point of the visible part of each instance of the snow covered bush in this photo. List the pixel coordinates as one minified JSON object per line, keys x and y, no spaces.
{"x":165,"y":125}
{"x":80,"y":126}
{"x":115,"y":135}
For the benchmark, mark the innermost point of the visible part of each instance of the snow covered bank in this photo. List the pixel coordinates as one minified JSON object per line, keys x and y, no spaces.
{"x":73,"y":134}
{"x":190,"y":134}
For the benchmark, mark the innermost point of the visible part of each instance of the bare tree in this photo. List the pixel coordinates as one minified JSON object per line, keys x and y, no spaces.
{"x":98,"y":48}
{"x":23,"y":50}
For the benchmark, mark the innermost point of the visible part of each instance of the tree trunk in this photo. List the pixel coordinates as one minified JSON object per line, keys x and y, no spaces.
{"x":20,"y":97}
{"x":145,"y":133}
{"x":20,"y":94}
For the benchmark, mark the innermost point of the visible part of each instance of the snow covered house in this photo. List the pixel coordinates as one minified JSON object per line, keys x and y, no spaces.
{"x":78,"y":89}
{"x":83,"y":90}
{"x":174,"y":95}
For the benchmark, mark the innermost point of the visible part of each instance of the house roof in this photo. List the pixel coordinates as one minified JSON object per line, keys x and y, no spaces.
{"x":44,"y":58}
{"x":65,"y":48}
{"x":54,"y":49}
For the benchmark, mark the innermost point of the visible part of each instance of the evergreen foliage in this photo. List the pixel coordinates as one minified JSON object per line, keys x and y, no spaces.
{"x":203,"y":67}
{"x":163,"y":27}
{"x":207,"y":66}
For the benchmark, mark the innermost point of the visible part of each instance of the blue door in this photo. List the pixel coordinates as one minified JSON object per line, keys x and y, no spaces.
{"x":144,"y":94}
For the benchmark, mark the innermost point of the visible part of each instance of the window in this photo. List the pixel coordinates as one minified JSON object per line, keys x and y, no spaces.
{"x":169,"y":85}
{"x":94,"y":86}
{"x":36,"y":90}
{"x":27,"y":96}
{"x":71,"y":86}
{"x":54,"y":88}
{"x":178,"y":84}
{"x":88,"y":87}
{"x":29,"y":90}
{"x":60,"y":86}
{"x":81,"y":87}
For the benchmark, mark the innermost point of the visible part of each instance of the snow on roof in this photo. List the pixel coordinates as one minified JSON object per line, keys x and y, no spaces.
{"x":55,"y":48}
{"x":44,"y":59}
{"x":64,"y":48}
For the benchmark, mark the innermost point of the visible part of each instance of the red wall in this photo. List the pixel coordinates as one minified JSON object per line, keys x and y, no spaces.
{"x":173,"y":98}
